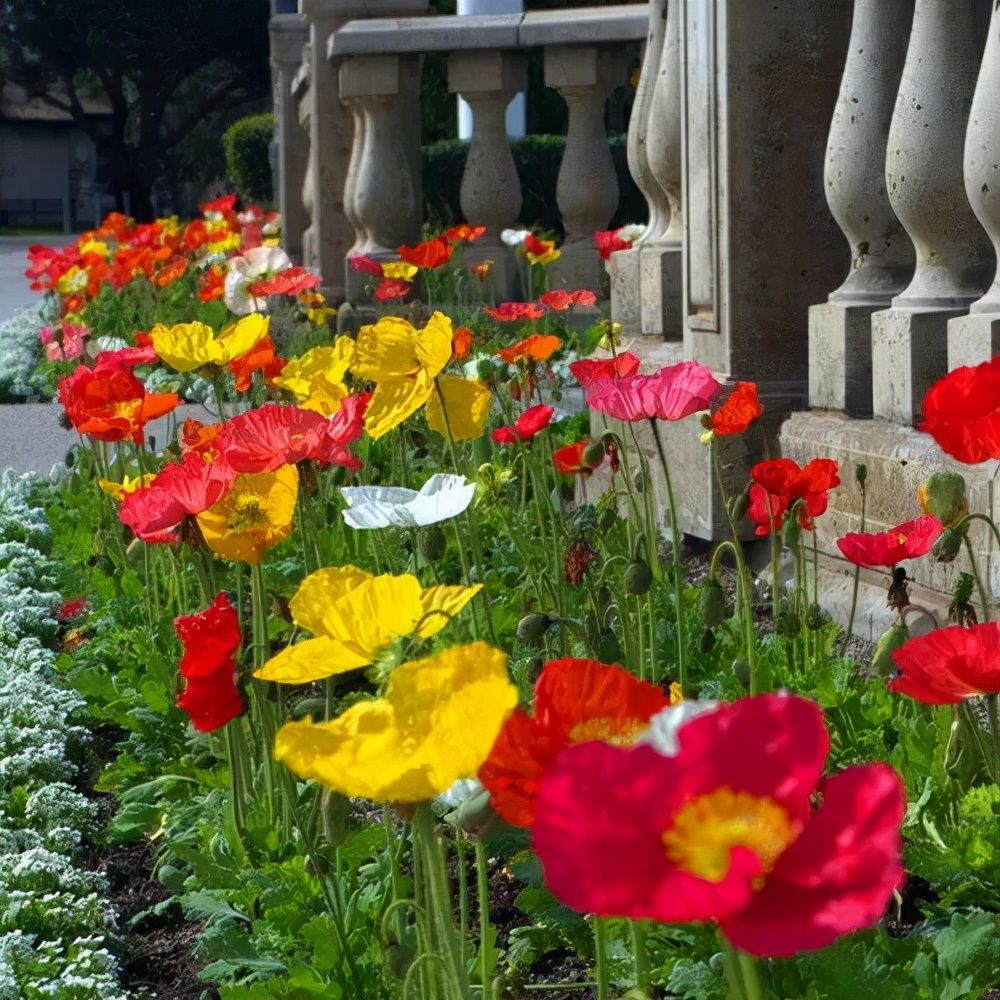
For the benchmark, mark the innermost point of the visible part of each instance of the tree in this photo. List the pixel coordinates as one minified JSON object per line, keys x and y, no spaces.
{"x":163,"y":65}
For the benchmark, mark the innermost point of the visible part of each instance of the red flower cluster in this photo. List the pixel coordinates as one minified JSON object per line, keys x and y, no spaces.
{"x":515,"y":312}
{"x":527,"y":425}
{"x":559,"y":300}
{"x":210,"y":640}
{"x":779,"y":483}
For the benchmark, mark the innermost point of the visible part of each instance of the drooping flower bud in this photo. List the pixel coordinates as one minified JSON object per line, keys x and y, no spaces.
{"x":887,"y":644}
{"x":432,"y":543}
{"x":593,"y":454}
{"x":943,"y":495}
{"x":638,"y":577}
{"x":712,"y":601}
{"x":948,"y":546}
{"x":533,"y":626}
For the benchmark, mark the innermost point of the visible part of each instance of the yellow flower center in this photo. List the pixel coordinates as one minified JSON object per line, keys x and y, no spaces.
{"x":617,"y":732}
{"x":708,"y":827}
{"x":126,"y":408}
{"x":248,"y":512}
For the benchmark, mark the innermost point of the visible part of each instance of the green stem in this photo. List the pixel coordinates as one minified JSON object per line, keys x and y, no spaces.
{"x":974,"y":564}
{"x":639,"y":955}
{"x":857,"y":580}
{"x":675,"y":533}
{"x":601,"y":970}
{"x":485,"y":927}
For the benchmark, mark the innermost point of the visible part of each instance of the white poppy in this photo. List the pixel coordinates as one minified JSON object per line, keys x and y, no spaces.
{"x":666,"y":724}
{"x":443,"y":496}
{"x":515,"y":237}
{"x":632,"y":232}
{"x":459,"y":792}
{"x":245,"y":270}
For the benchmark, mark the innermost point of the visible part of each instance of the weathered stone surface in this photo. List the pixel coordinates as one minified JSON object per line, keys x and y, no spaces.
{"x":441,"y":33}
{"x":587,"y":26}
{"x":840,"y":357}
{"x":973,"y":339}
{"x":661,"y":297}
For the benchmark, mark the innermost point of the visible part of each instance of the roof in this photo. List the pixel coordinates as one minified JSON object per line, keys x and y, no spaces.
{"x":17,"y":105}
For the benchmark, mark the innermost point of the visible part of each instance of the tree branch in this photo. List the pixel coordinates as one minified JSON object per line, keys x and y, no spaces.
{"x":214,"y":97}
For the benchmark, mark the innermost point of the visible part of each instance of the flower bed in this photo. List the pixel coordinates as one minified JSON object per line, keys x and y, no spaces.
{"x":408,"y":707}
{"x":56,"y":928}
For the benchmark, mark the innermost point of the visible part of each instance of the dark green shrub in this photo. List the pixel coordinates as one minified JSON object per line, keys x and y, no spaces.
{"x":537,"y":158}
{"x":247,"y":144}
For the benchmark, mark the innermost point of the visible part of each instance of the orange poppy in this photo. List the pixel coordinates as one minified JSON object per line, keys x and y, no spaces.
{"x":463,"y":233}
{"x":260,"y":358}
{"x":171,"y":272}
{"x":428,"y":255}
{"x":537,"y":347}
{"x":738,"y":412}
{"x":461,"y":343}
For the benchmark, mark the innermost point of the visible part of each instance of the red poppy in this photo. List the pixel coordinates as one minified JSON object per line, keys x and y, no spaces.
{"x":674,"y":392}
{"x":211,"y":702}
{"x":212,"y":284}
{"x":461,"y":343}
{"x":108,"y":403}
{"x":514,"y":312}
{"x":575,"y":701}
{"x":265,"y":439}
{"x":724,"y":827}
{"x":181,"y":489}
{"x":199,"y":438}
{"x":538,"y":248}
{"x":463,"y":233}
{"x":427,"y":255}
{"x":527,"y":425}
{"x":366,"y":265}
{"x":962,"y":412}
{"x":210,"y":638}
{"x":906,"y":541}
{"x":948,"y":665}
{"x":171,"y":271}
{"x":71,"y":609}
{"x":128,"y":358}
{"x":289,"y":281}
{"x":589,"y":370}
{"x":608,"y":242}
{"x":537,"y":347}
{"x":740,"y":409}
{"x":569,"y":460}
{"x":390,"y":289}
{"x":260,"y":358}
{"x":224,"y":203}
{"x":559,"y":301}
{"x":778,"y":483}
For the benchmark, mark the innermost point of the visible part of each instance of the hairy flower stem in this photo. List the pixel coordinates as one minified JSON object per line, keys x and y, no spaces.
{"x":741,"y":974}
{"x":601,"y":970}
{"x":974,"y":565}
{"x":678,"y":570}
{"x":485,"y":927}
{"x":639,"y":956}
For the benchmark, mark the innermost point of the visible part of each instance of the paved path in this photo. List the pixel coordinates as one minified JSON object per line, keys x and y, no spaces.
{"x":14,"y":291}
{"x":32,"y":439}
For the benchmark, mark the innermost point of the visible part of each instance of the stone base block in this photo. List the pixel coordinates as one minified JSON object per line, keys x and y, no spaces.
{"x":623,"y":271}
{"x":840,"y":357}
{"x":973,"y":339}
{"x":909,"y":354}
{"x":579,"y":266}
{"x":660,"y":291}
{"x":898,"y":460}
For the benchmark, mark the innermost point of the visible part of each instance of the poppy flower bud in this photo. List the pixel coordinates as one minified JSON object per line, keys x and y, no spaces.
{"x":608,"y":648}
{"x":712,"y":602}
{"x":475,"y":815}
{"x":739,"y":505}
{"x":640,"y":482}
{"x":638,"y":577}
{"x":791,"y":533}
{"x":887,"y":644}
{"x":593,"y":454}
{"x":432,"y":543}
{"x":861,"y":474}
{"x":948,"y":546}
{"x":741,"y":670}
{"x":706,"y":421}
{"x":533,"y":626}
{"x":707,"y":643}
{"x":608,"y":519}
{"x":787,"y":624}
{"x":943,"y":495}
{"x":815,"y":618}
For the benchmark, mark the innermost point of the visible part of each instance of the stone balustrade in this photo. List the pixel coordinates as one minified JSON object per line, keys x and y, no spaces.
{"x":587,"y":54}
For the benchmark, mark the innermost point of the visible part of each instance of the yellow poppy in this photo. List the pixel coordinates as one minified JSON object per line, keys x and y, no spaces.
{"x":403,"y":362}
{"x":95,"y":246}
{"x":399,"y":270}
{"x":353,"y":615}
{"x":436,"y":723}
{"x":467,"y":404}
{"x":188,"y":346}
{"x":316,"y":379}
{"x":254,"y":516}
{"x":118,"y":491}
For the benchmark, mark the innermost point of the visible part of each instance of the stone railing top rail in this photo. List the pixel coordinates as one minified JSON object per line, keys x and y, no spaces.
{"x":446,"y":33}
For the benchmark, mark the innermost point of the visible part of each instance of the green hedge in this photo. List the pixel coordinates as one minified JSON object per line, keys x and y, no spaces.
{"x":247,"y":144}
{"x":537,"y":158}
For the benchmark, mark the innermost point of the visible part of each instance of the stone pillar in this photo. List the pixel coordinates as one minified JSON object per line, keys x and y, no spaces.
{"x":759,"y":82}
{"x":975,"y":338}
{"x":660,"y":250}
{"x":587,"y":188}
{"x":303,"y":104}
{"x":288,"y":36}
{"x":623,"y":266}
{"x":924,"y":174}
{"x":381,"y":193}
{"x":487,"y":80}
{"x":840,"y":351}
{"x":331,"y":133}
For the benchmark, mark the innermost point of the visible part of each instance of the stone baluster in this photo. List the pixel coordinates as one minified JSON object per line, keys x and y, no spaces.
{"x":924,"y":175}
{"x":381,"y":191}
{"x":303,"y":104}
{"x":587,"y":187}
{"x":491,"y":189}
{"x":975,"y":338}
{"x":623,"y":266}
{"x":661,"y":305}
{"x":840,"y":352}
{"x":288,"y":36}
